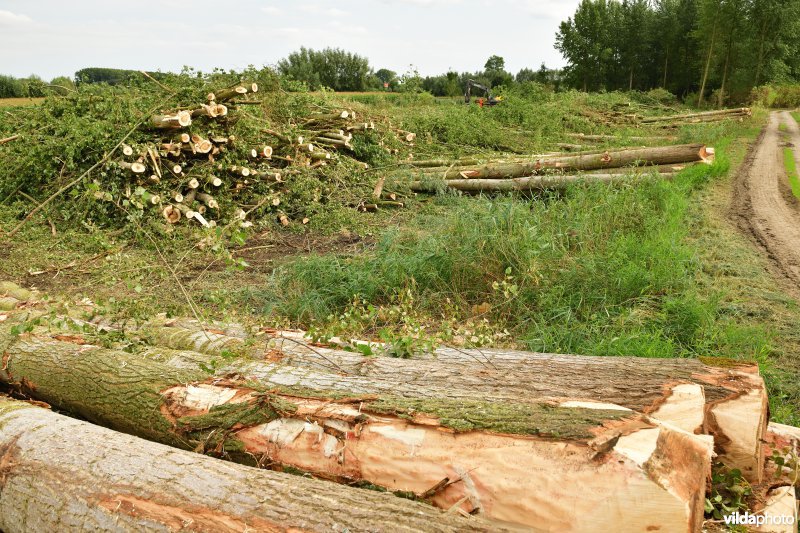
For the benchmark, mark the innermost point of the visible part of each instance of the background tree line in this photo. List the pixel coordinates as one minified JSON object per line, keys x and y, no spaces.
{"x":701,"y":50}
{"x":33,"y":86}
{"x":343,"y":71}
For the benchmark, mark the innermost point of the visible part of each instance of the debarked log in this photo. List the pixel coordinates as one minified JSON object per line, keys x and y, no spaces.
{"x":565,"y":465}
{"x":62,"y":474}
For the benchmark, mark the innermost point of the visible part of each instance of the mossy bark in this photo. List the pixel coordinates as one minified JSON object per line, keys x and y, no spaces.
{"x":62,"y":474}
{"x":662,"y":155}
{"x":719,"y":397}
{"x":399,"y":433}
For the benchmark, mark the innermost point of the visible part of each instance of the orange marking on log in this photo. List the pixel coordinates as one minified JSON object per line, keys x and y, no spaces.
{"x":181,"y":518}
{"x":74,"y":339}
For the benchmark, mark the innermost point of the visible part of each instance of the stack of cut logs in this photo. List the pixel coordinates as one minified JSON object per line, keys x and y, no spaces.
{"x":548,"y":172}
{"x":476,"y":440}
{"x":191,"y":159}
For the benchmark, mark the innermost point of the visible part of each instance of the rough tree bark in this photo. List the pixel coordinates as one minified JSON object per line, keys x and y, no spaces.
{"x":723,"y":398}
{"x":62,"y":474}
{"x":531,"y":183}
{"x":661,"y":155}
{"x":741,"y":111}
{"x":548,"y":465}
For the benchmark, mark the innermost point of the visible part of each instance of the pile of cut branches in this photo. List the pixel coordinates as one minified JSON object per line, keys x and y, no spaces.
{"x":230,"y":157}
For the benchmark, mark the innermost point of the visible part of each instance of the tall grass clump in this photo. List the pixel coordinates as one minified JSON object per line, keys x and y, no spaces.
{"x":600,"y":269}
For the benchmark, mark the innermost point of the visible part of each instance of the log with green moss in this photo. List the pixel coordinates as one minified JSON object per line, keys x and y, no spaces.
{"x":62,"y":474}
{"x":530,"y":183}
{"x":723,"y":398}
{"x":660,"y":155}
{"x":544,"y":464}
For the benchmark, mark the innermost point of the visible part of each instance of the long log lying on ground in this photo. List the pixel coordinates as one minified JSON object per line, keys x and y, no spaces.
{"x":722,"y":398}
{"x":530,"y":183}
{"x":548,"y":465}
{"x":62,"y":474}
{"x":720,"y":114}
{"x":587,"y":137}
{"x":660,"y":155}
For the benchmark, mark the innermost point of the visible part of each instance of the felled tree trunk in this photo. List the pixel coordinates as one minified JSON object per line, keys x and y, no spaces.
{"x":181,"y":119}
{"x":661,"y":155}
{"x":531,"y":183}
{"x":557,"y":465}
{"x":722,"y":398}
{"x":587,"y":137}
{"x":62,"y":474}
{"x":719,"y":114}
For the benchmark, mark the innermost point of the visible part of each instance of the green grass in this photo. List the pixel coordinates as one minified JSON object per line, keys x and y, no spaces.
{"x":600,"y":270}
{"x":791,"y":171}
{"x":649,"y":268}
{"x":603,"y":270}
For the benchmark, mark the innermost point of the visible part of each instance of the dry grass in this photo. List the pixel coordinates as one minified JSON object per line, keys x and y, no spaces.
{"x":16,"y":102}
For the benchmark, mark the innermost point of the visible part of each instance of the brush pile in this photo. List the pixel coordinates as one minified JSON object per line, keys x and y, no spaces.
{"x":192,"y":155}
{"x":235,"y":156}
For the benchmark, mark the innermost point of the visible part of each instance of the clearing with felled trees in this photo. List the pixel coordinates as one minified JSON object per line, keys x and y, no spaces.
{"x":308,"y":298}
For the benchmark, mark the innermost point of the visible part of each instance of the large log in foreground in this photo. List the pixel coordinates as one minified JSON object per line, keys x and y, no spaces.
{"x":723,"y":398}
{"x":530,"y":183}
{"x":62,"y":474}
{"x":660,"y":155}
{"x":566,"y":466}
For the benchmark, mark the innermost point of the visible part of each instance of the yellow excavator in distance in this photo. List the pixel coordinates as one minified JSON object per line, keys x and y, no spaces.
{"x":490,"y":99}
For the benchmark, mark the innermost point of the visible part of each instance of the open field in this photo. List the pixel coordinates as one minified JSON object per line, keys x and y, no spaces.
{"x":13,"y":102}
{"x":677,"y":265}
{"x":627,"y":268}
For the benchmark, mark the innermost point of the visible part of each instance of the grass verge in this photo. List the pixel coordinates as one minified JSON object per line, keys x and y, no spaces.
{"x":791,"y":171}
{"x":600,"y":270}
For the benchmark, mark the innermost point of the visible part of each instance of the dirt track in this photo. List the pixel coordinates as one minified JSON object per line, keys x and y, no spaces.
{"x":764,"y":206}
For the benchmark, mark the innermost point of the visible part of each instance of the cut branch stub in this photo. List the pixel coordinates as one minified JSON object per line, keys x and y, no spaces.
{"x":136,"y":168}
{"x":228,"y":94}
{"x":181,"y":119}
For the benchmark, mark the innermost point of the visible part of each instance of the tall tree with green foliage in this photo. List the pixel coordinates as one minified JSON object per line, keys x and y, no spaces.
{"x":724,"y":47}
{"x":332,"y":67}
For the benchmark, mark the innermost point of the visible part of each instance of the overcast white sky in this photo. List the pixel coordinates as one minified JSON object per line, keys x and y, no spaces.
{"x":58,"y":37}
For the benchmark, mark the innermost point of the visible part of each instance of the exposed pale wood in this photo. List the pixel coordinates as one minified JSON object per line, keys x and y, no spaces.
{"x":778,"y":512}
{"x":208,"y":200}
{"x":9,"y":139}
{"x":613,"y":467}
{"x":63,"y":474}
{"x":136,"y":168}
{"x":376,"y":192}
{"x":172,"y":214}
{"x":722,"y":398}
{"x":227,"y":94}
{"x":181,"y":119}
{"x":211,"y":110}
{"x":127,"y":150}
